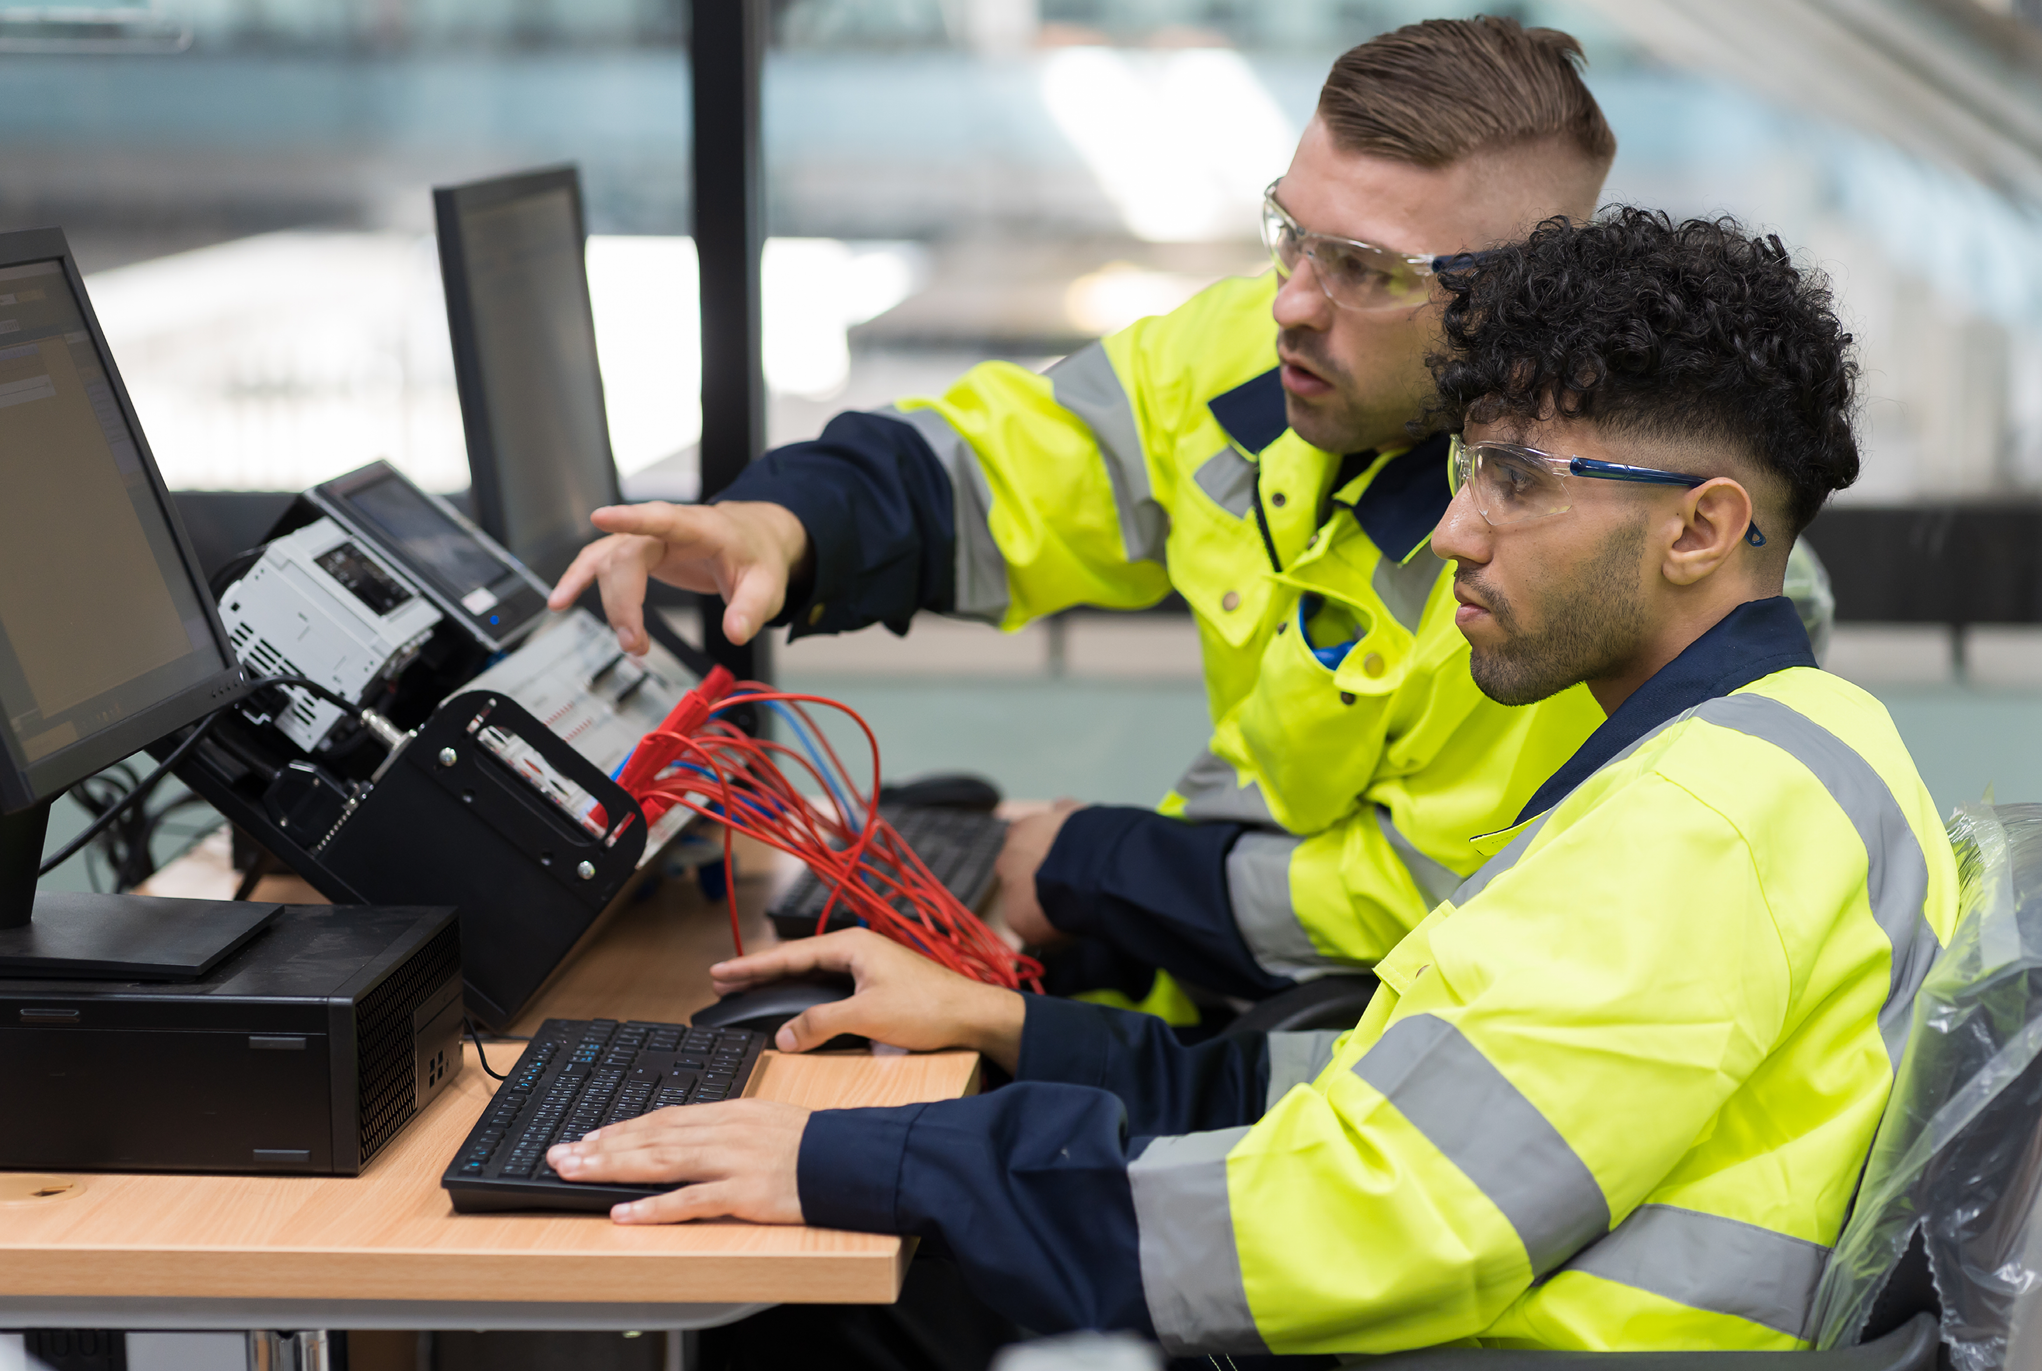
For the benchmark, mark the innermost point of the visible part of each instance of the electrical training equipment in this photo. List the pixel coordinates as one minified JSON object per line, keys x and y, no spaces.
{"x":572,"y":677}
{"x":575,"y":1076}
{"x":318,"y":603}
{"x":306,"y":1052}
{"x":471,"y":775}
{"x":698,"y":762}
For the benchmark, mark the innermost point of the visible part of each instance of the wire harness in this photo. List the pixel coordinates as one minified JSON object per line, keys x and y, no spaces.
{"x":698,"y":760}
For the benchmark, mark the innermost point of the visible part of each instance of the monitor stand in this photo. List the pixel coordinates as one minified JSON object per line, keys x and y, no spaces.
{"x":107,"y":937}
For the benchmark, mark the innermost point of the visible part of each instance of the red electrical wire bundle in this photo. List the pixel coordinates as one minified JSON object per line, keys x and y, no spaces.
{"x":702,"y":763}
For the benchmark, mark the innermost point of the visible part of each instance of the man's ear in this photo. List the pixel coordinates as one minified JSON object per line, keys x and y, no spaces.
{"x":1715,"y":516}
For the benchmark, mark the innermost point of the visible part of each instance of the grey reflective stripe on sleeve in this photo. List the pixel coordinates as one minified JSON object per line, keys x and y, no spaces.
{"x":1258,"y":888}
{"x":1191,"y":1270}
{"x":1406,"y":589}
{"x":1229,"y":478}
{"x":1484,"y":1125}
{"x":1211,"y":790}
{"x":981,"y":566}
{"x":1297,"y":1059}
{"x":1509,"y":856}
{"x":1086,"y":384}
{"x":1435,"y":880}
{"x":1896,"y":873}
{"x":1706,"y":1261}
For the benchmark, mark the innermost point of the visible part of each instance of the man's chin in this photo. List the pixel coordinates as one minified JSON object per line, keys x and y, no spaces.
{"x":1508,"y":682}
{"x":1319,"y":425}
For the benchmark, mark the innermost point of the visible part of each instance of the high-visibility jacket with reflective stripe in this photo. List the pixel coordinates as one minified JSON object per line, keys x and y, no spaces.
{"x":1615,"y":1093}
{"x":1346,"y":722}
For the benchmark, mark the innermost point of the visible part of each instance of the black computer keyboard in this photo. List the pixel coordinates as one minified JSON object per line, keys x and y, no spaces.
{"x":959,"y":846}
{"x":575,"y":1076}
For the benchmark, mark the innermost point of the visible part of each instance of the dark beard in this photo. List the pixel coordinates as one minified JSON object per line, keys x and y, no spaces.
{"x":1592,"y":626}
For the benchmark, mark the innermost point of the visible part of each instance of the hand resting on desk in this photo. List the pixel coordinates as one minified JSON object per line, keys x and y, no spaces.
{"x":743,"y":1156}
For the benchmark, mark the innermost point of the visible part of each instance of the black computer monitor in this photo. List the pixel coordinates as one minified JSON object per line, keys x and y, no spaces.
{"x":108,"y":637}
{"x":539,"y":460}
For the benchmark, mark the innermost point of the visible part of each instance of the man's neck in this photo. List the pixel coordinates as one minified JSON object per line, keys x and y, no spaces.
{"x":1678,"y":626}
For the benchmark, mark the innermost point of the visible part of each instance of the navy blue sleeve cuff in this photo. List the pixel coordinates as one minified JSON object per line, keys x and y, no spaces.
{"x":1155,"y":888}
{"x":1165,"y":1086}
{"x":848,"y":1174}
{"x":1064,"y":1040}
{"x":1026,"y":1188}
{"x":878,"y":510}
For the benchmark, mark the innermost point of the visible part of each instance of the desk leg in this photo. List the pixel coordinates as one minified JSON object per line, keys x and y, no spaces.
{"x":269,"y":1350}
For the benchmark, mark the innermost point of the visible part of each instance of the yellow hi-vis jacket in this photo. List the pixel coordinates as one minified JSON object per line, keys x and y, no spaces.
{"x":1159,"y":459}
{"x":1617,"y":1091}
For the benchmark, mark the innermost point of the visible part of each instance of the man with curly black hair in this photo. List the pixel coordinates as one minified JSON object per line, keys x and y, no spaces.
{"x":1735,"y":362}
{"x":1616,"y":1091}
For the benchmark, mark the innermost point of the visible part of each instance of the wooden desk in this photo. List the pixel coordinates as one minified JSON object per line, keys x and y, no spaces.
{"x":386,"y":1250}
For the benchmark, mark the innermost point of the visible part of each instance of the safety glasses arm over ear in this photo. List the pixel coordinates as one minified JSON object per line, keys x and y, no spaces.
{"x":1462,"y":454}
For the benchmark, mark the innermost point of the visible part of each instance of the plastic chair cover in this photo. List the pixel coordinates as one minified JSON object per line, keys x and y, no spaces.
{"x":1958,"y":1154}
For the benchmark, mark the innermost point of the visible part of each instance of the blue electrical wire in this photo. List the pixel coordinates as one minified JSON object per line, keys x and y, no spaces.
{"x":802,"y":734}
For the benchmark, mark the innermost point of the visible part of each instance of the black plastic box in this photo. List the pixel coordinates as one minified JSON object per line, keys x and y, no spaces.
{"x":305,"y":1052}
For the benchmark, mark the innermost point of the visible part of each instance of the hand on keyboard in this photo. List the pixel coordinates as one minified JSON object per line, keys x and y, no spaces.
{"x":736,"y":1160}
{"x":903,"y":998}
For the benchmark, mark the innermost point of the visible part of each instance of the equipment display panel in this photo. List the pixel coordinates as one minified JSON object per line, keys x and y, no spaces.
{"x":475,"y":582}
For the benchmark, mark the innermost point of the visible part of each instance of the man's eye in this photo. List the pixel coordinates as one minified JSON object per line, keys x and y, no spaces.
{"x":1513,"y":482}
{"x":1355,"y":268}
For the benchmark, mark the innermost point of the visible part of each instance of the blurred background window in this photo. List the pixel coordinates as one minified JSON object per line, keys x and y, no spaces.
{"x":948,"y":180}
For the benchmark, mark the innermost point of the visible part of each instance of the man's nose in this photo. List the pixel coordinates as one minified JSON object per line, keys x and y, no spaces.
{"x":1462,"y":533}
{"x":1299,"y":301}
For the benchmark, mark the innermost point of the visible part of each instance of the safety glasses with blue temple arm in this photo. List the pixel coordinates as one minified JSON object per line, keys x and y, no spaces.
{"x":1351,"y":273}
{"x":1510,"y":483}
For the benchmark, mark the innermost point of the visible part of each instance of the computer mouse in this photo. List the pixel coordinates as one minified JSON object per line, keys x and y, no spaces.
{"x":764,"y":1008}
{"x":944,"y":790}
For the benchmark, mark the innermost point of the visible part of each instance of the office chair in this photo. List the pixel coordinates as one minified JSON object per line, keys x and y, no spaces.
{"x":1328,"y":1002}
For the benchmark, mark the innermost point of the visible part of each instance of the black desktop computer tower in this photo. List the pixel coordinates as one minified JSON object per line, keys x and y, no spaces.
{"x":305,"y":1052}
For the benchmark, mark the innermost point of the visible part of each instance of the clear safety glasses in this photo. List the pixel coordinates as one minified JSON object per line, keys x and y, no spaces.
{"x":1511,"y":484}
{"x":1353,"y":274}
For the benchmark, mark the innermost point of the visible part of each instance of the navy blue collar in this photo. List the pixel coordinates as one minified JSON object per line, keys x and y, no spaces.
{"x":1252,"y":413}
{"x":1753,"y":641}
{"x":1406,"y":500}
{"x":1401,"y":506}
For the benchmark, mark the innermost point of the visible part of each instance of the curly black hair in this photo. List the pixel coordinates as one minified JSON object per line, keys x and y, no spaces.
{"x":1692,"y":330}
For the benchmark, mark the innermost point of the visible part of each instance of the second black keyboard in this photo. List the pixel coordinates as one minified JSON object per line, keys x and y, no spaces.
{"x":578,"y":1075}
{"x":959,"y":846}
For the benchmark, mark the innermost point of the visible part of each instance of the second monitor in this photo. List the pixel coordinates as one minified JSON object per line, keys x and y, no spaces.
{"x":523,"y":331}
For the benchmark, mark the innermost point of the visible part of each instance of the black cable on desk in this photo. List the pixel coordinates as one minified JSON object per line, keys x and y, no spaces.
{"x":141,"y":788}
{"x":480,"y":1055}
